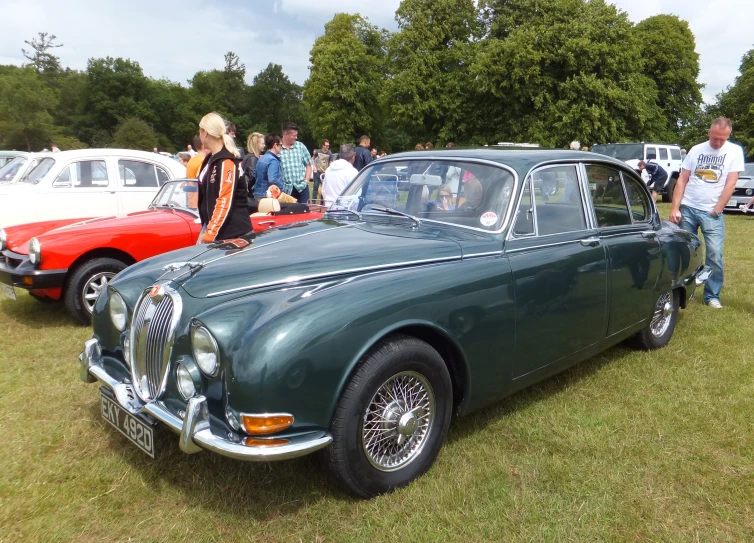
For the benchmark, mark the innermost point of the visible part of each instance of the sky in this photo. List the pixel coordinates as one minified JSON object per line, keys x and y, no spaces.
{"x":175,"y":39}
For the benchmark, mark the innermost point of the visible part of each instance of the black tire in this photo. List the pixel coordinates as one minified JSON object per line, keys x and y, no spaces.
{"x":667,"y":194}
{"x":81,"y":277}
{"x":650,"y":337}
{"x":397,"y":361}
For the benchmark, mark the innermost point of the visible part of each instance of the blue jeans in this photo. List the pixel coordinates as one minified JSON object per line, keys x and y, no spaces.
{"x":303,"y":196}
{"x":713,"y":229}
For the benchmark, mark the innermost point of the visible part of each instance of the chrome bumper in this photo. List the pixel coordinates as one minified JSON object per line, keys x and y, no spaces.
{"x":194,"y":430}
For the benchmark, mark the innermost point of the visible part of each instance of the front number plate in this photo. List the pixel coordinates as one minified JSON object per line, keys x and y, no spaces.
{"x":136,"y":431}
{"x":8,"y":290}
{"x":732,"y":203}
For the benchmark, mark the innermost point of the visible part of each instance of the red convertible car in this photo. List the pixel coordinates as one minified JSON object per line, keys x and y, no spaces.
{"x":74,"y":259}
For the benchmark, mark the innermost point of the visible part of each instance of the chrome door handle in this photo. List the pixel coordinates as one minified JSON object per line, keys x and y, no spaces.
{"x":649,"y":234}
{"x":590,"y":242}
{"x":260,"y":223}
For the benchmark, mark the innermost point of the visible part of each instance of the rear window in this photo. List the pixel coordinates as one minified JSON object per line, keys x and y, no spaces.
{"x":675,"y":153}
{"x":9,"y":171}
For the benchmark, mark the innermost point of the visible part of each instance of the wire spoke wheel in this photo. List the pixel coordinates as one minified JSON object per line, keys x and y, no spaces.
{"x":398,"y":421}
{"x":662,"y":315}
{"x":92,"y":288}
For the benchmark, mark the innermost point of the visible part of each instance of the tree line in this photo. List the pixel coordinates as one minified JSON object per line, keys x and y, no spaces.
{"x":471,"y":72}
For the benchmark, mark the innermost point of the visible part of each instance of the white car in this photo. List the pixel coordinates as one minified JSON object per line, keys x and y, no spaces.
{"x":18,"y":166}
{"x":86,"y":183}
{"x":7,"y":156}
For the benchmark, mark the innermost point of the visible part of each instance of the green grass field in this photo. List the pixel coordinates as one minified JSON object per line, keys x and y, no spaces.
{"x":628,"y":446}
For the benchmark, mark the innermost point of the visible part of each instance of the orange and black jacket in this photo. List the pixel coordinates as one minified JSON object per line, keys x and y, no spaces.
{"x":223,"y":206}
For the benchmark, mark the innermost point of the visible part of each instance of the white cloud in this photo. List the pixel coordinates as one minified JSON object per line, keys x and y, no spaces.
{"x":175,"y":39}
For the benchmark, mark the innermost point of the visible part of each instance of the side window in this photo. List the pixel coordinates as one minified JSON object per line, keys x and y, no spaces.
{"x":557,"y":200}
{"x":608,"y":198}
{"x":136,"y":174}
{"x":638,"y":201}
{"x":663,"y":153}
{"x":675,"y":153}
{"x":651,"y":153}
{"x":162,"y":176}
{"x":84,"y":174}
{"x":524,"y":225}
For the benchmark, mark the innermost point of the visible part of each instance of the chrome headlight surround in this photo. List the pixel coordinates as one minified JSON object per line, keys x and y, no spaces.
{"x":118,"y":311}
{"x":205,"y":349}
{"x":35,"y":251}
{"x":184,"y":382}
{"x":3,"y":239}
{"x":749,"y":192}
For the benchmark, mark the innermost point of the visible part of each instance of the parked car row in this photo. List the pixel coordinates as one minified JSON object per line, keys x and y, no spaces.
{"x":360,"y":333}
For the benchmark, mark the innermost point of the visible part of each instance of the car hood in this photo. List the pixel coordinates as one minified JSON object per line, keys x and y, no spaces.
{"x":745,"y":182}
{"x":300,"y":251}
{"x":19,"y":236}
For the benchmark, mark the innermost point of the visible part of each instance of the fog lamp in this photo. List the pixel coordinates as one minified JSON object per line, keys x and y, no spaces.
{"x":184,"y":382}
{"x":232,"y":419}
{"x":266,"y":424}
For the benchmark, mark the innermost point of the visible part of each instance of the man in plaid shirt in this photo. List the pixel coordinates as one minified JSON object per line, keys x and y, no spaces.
{"x":297,"y":164}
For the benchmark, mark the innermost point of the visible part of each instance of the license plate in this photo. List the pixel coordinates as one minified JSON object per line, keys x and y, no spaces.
{"x":732,"y":203}
{"x":8,"y":290}
{"x":139,"y":433}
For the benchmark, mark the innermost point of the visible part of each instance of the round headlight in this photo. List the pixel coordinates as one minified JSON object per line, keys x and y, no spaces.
{"x":205,"y":350}
{"x":118,"y":311}
{"x":184,"y":382}
{"x":749,"y":192}
{"x":35,"y":251}
{"x":3,"y":239}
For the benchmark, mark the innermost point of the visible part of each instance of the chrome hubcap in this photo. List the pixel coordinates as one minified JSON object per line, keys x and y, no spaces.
{"x":96,"y":284}
{"x":662,"y":315}
{"x":398,"y":421}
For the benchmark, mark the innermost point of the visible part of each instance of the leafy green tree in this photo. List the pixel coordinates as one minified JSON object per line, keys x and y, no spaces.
{"x":134,"y":133}
{"x":274,"y":99}
{"x":431,"y":92}
{"x":554,"y":71}
{"x":737,"y":103}
{"x":342,"y":93}
{"x":25,"y":105}
{"x":40,"y":56}
{"x":671,"y":61}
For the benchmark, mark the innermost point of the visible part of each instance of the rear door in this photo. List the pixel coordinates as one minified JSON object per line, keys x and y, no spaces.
{"x":623,"y":215}
{"x":559,"y":271}
{"x":138,"y":182}
{"x":82,"y":189}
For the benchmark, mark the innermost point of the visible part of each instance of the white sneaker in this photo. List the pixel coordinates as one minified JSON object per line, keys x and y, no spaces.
{"x":714,"y":303}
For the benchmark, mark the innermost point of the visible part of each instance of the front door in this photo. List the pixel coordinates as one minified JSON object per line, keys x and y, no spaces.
{"x":82,"y":189}
{"x":559,"y":271}
{"x":623,"y":215}
{"x":138,"y":182}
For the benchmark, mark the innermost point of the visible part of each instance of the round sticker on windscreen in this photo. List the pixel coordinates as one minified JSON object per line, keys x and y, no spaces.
{"x":488,"y":219}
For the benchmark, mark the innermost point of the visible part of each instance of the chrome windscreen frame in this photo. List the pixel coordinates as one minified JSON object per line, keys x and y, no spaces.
{"x":168,"y":349}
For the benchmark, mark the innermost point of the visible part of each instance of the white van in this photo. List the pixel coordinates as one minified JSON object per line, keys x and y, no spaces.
{"x":665,"y":154}
{"x":86,"y":183}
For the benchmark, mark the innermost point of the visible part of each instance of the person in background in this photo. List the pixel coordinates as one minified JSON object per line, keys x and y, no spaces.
{"x":445,"y":198}
{"x":190,"y":150}
{"x":374,"y":153}
{"x":269,"y":170}
{"x":297,"y":164}
{"x":195,"y":163}
{"x":575,"y":146}
{"x":585,"y":149}
{"x":340,"y":173}
{"x":418,"y":147}
{"x":707,"y":181}
{"x":450,"y":145}
{"x":232,"y":134}
{"x":222,"y":189}
{"x":55,"y":148}
{"x":184,"y":158}
{"x":155,"y":150}
{"x":657,"y":176}
{"x":683,"y":154}
{"x":320,"y":162}
{"x":363,"y":156}
{"x":429,"y":145}
{"x":254,"y":148}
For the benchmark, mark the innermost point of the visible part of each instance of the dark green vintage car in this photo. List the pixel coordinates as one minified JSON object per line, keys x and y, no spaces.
{"x":438,"y":283}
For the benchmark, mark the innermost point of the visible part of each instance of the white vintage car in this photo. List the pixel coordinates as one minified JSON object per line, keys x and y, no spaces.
{"x":19,"y":165}
{"x":85,"y":183}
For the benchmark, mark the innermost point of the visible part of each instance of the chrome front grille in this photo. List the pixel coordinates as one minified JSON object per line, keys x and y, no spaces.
{"x":151,"y":340}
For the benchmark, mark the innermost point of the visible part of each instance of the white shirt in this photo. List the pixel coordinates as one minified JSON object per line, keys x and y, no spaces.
{"x":336,"y":179}
{"x":709,"y":169}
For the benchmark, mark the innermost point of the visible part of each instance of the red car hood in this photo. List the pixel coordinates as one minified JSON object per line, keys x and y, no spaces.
{"x":50,"y":231}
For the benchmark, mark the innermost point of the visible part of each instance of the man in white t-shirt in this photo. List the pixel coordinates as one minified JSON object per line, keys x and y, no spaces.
{"x":339,"y":174}
{"x":707,"y":181}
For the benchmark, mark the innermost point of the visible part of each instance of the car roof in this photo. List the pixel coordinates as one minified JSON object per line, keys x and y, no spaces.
{"x":641,"y":143}
{"x":168,"y":162}
{"x":13,"y":153}
{"x":521,"y":160}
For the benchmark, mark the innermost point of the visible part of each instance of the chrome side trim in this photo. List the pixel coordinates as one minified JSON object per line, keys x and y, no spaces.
{"x":194,"y":430}
{"x":543,"y":246}
{"x":480,"y":255}
{"x":299,"y":278}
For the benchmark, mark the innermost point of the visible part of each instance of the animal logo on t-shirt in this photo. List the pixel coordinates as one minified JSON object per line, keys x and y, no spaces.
{"x":710,"y":175}
{"x":709,"y":168}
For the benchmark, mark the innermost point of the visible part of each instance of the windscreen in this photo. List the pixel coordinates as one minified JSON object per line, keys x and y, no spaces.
{"x":39,"y":171}
{"x":9,"y":171}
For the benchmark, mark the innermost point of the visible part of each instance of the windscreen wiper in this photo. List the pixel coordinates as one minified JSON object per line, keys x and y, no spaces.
{"x":344,"y":210}
{"x":392,"y":211}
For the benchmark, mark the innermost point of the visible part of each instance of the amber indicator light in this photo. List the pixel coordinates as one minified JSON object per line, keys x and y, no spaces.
{"x":265,"y":424}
